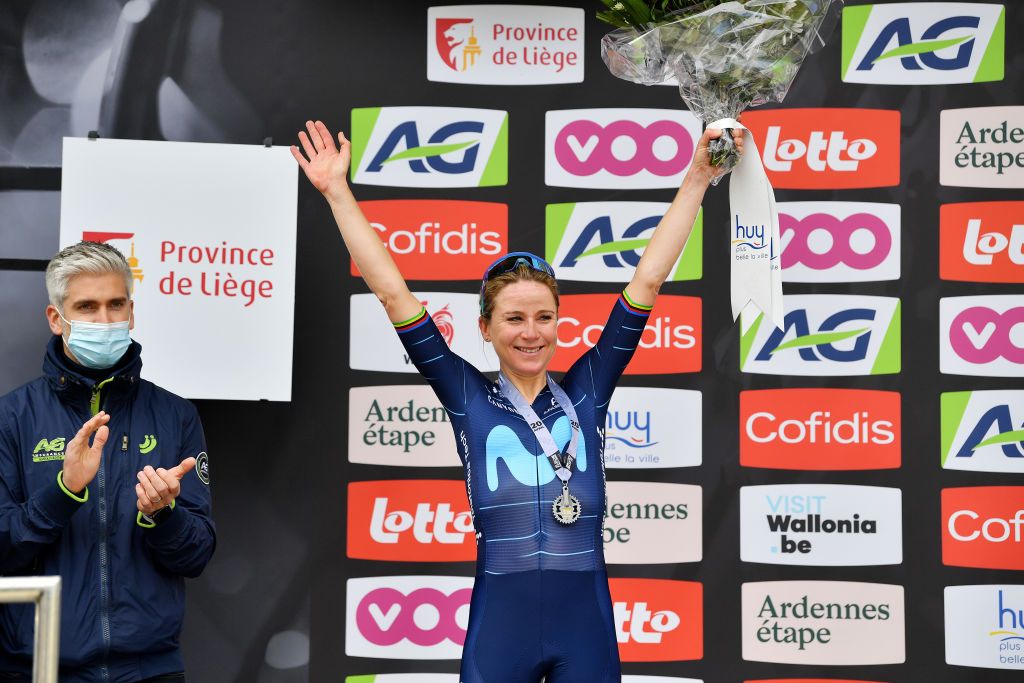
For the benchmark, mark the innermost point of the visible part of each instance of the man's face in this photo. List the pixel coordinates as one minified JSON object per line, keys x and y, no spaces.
{"x":93,"y":298}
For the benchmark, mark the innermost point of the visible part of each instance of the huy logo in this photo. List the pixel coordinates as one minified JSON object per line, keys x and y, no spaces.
{"x":825,"y":335}
{"x":984,"y":335}
{"x":828,"y":148}
{"x":670,"y":341}
{"x":983,"y":431}
{"x":820,"y":429}
{"x":839,"y":241}
{"x":821,"y":525}
{"x":982,"y":242}
{"x":401,"y":425}
{"x":985,"y":626}
{"x":618,"y":148}
{"x":429,"y":147}
{"x":641,"y":515}
{"x":653,"y":428}
{"x":658,"y":620}
{"x":982,"y":147}
{"x":982,"y":527}
{"x":603,"y":241}
{"x":385,"y":616}
{"x":923,"y":43}
{"x":435,"y":239}
{"x":410,"y":521}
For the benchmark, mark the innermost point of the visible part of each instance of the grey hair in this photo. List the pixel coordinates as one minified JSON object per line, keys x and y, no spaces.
{"x":94,"y":258}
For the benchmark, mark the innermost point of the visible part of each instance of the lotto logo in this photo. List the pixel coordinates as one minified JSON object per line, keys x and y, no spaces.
{"x":982,"y":242}
{"x":982,"y":527}
{"x":983,"y":431}
{"x":658,"y":620}
{"x":839,"y":241}
{"x":671,"y":340}
{"x":982,"y":335}
{"x":386,"y":616}
{"x":618,"y":148}
{"x":828,"y":148}
{"x":410,"y":521}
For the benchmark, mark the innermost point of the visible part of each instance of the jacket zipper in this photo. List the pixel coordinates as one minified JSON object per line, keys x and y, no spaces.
{"x":94,"y":407}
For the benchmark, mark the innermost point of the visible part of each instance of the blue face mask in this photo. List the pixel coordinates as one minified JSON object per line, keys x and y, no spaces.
{"x":97,"y":345}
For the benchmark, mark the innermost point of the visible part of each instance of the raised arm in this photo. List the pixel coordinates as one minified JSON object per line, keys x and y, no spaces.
{"x":327,"y":168}
{"x":673,"y":230}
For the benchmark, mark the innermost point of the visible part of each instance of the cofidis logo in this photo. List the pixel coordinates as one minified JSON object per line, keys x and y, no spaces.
{"x":618,"y":149}
{"x":374,"y":345}
{"x":505,"y":45}
{"x":823,"y":622}
{"x":658,"y":620}
{"x":436,"y":239}
{"x":982,"y":147}
{"x":983,"y":431}
{"x":429,"y":147}
{"x":982,"y":242}
{"x":828,"y":148}
{"x":413,"y":520}
{"x":820,"y":429}
{"x":648,"y":428}
{"x":822,"y":525}
{"x":823,"y":334}
{"x":982,"y":335}
{"x":381,"y":616}
{"x":839,"y":241}
{"x":982,"y":527}
{"x":985,"y":626}
{"x":401,"y":425}
{"x":641,"y":515}
{"x":603,"y":241}
{"x":671,"y":341}
{"x":923,"y":42}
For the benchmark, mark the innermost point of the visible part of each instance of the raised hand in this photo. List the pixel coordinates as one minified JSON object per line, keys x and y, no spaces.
{"x":158,"y":487}
{"x":82,"y":461}
{"x":327,"y":165}
{"x":701,"y":159}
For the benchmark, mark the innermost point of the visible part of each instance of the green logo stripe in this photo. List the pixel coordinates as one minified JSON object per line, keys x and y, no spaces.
{"x":616,"y":247}
{"x":363,"y":122}
{"x":854,"y":20}
{"x":820,"y":338}
{"x":424,"y":151}
{"x":691,"y":264}
{"x":496,"y":171}
{"x":1005,"y":437}
{"x":918,"y":48}
{"x":954,"y":405}
{"x":360,"y":679}
{"x":992,"y":62}
{"x":888,"y":360}
{"x":747,"y":339}
{"x":556,"y":222}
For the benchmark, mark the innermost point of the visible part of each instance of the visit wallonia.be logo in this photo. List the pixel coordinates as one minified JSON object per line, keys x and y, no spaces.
{"x":505,"y":45}
{"x":982,"y":335}
{"x":438,"y":239}
{"x":982,"y":242}
{"x":982,"y":147}
{"x":982,"y":527}
{"x":820,"y":149}
{"x":641,"y":515}
{"x":402,"y":425}
{"x":923,"y":43}
{"x":821,"y":525}
{"x":983,"y":431}
{"x":984,"y":626}
{"x":650,"y":428}
{"x":618,"y":149}
{"x":822,"y":334}
{"x":832,"y":623}
{"x":839,"y":241}
{"x":429,"y":147}
{"x":658,"y":620}
{"x":603,"y":241}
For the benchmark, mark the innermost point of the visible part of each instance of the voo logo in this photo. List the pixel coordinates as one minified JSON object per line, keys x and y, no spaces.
{"x":639,"y":624}
{"x":386,"y":616}
{"x":797,"y":251}
{"x":982,"y":335}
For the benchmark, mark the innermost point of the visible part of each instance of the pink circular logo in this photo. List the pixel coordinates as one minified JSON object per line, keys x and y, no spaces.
{"x":798,"y":251}
{"x":584,"y":148}
{"x":385,"y":616}
{"x":981,"y":335}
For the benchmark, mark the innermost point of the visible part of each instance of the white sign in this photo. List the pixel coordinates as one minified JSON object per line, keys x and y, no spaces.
{"x":651,"y":428}
{"x":983,"y":431}
{"x":652,"y":523}
{"x":982,"y":335}
{"x":982,"y":147}
{"x":209,"y":233}
{"x":401,"y":425}
{"x":985,"y":626}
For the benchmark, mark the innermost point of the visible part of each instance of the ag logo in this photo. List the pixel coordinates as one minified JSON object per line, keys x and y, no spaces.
{"x":603,"y":241}
{"x":49,"y":449}
{"x":982,"y":335}
{"x":983,"y":431}
{"x":203,"y":468}
{"x":825,"y":335}
{"x":429,"y":147}
{"x":922,"y":43}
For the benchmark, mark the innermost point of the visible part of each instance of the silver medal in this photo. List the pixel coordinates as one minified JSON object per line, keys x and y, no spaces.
{"x":565,"y":507}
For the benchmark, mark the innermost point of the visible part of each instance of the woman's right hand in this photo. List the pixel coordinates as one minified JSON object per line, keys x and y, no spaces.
{"x":327,"y":165}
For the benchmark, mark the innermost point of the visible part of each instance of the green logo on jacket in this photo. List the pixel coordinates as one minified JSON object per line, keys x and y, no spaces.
{"x":49,"y":449}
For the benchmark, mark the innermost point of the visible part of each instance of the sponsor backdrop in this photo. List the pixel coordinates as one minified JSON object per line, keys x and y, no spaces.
{"x":838,"y":500}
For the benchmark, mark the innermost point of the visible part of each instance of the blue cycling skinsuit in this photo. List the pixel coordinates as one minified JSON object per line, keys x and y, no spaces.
{"x":540,"y":604}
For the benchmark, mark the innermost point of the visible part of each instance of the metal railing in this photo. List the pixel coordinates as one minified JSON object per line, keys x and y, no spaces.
{"x":44,"y":591}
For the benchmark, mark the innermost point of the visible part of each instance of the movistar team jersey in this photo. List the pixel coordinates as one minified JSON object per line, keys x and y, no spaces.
{"x":510,"y":482}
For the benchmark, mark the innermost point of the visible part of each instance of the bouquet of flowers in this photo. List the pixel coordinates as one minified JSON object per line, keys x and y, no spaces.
{"x":725,"y":56}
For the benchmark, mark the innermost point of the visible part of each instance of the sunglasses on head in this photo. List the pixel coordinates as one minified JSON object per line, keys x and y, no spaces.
{"x":510,"y":262}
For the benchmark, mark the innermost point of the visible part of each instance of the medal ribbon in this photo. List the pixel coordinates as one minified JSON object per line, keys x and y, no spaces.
{"x":562,"y":463}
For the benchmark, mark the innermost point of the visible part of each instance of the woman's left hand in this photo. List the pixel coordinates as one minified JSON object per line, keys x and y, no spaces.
{"x":701,"y":161}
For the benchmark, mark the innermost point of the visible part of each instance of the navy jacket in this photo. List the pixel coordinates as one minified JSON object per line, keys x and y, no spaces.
{"x":122,"y":583}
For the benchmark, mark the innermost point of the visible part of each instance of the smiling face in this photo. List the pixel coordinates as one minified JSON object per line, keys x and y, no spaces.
{"x":522,"y":328}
